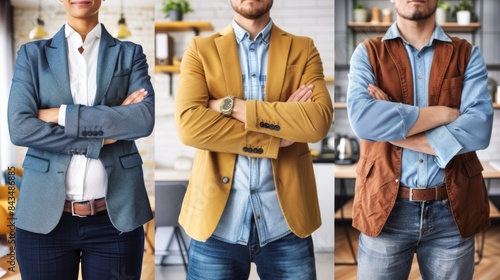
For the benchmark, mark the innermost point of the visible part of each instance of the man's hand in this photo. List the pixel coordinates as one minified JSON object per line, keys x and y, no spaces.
{"x":377,"y":93}
{"x":302,"y":94}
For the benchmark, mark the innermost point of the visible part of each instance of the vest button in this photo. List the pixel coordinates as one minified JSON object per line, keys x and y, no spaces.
{"x":397,"y":180}
{"x":225,"y":179}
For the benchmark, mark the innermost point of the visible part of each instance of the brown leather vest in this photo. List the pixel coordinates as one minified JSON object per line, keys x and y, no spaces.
{"x":379,"y":167}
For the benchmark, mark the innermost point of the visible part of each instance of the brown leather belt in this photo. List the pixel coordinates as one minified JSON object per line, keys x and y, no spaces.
{"x":414,"y":194}
{"x":85,"y":208}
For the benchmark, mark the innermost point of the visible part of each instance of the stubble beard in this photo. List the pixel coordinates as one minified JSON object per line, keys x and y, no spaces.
{"x":417,"y":15}
{"x":253,"y":13}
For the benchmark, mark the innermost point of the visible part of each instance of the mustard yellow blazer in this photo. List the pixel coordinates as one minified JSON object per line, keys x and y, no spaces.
{"x":210,"y":69}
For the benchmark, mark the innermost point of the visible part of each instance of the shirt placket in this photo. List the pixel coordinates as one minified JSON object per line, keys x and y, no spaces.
{"x":254,"y":88}
{"x":421,"y":101}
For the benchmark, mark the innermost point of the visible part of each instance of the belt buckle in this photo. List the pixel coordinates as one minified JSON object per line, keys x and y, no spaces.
{"x":73,"y":209}
{"x":410,"y":196}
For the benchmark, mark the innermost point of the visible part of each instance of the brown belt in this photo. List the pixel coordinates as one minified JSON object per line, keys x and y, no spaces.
{"x":414,"y":194}
{"x":85,"y":208}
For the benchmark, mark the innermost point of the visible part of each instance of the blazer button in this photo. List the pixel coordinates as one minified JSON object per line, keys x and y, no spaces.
{"x":272,"y":127}
{"x":255,"y":150}
{"x":225,"y":179}
{"x":266,"y":125}
{"x":84,"y":133}
{"x":262,"y":124}
{"x":260,"y":151}
{"x":277,"y":127}
{"x":101,"y":133}
{"x":245,"y":149}
{"x":397,"y":148}
{"x":95,"y":133}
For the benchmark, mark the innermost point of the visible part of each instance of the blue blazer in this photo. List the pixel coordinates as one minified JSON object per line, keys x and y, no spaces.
{"x":41,"y":80}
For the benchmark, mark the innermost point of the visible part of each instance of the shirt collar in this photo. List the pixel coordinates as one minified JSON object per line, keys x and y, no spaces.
{"x":263,"y":35}
{"x":438,"y":34}
{"x":72,"y":35}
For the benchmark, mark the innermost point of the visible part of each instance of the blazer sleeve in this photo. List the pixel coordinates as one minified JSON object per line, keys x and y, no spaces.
{"x":207,"y":129}
{"x":129,"y":122}
{"x":297,"y":121}
{"x":25,"y":129}
{"x":204,"y":128}
{"x":99,"y":122}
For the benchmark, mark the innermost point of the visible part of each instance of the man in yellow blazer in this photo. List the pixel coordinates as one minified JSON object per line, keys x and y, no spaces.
{"x":249,"y":99}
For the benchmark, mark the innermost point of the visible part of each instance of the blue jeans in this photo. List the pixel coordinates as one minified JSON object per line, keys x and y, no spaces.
{"x":289,"y":257}
{"x":424,"y":228}
{"x":104,"y":252}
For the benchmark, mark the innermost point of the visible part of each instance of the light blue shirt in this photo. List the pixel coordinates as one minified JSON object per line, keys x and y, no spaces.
{"x":253,"y":192}
{"x":388,"y":121}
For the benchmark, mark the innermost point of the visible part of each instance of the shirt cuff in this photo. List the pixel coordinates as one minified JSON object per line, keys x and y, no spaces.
{"x":409,"y":115}
{"x":444,"y":144}
{"x":62,"y":115}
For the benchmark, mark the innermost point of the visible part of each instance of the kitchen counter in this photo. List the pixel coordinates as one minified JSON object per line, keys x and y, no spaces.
{"x":170,"y":174}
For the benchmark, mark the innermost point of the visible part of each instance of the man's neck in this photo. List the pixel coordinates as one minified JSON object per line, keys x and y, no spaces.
{"x":252,"y":26}
{"x":417,"y":33}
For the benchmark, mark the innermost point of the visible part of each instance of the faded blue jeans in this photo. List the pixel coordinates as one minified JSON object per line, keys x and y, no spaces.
{"x":425,"y":228}
{"x":289,"y":257}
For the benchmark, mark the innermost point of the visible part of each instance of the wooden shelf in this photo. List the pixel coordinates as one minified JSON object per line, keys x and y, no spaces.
{"x":330,"y":79}
{"x":196,"y":26}
{"x":175,"y":69}
{"x":494,"y":213}
{"x":340,"y":105}
{"x":451,"y":27}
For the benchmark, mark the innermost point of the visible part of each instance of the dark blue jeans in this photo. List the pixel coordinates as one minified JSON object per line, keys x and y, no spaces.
{"x":104,"y":252}
{"x":289,"y":257}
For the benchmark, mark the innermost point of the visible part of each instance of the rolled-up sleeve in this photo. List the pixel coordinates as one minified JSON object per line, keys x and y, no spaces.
{"x":472,"y":130}
{"x":372,"y":119}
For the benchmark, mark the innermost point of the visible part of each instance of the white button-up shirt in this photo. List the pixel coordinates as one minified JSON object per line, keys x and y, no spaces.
{"x":86,"y":178}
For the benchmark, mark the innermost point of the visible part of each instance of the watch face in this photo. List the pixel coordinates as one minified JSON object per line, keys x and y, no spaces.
{"x":226,"y":104}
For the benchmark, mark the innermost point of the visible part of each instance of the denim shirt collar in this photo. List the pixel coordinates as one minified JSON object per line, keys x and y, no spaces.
{"x":438,"y":34}
{"x":263,"y":35}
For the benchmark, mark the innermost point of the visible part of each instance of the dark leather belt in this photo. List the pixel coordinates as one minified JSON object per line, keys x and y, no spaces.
{"x":414,"y":194}
{"x":85,"y":208}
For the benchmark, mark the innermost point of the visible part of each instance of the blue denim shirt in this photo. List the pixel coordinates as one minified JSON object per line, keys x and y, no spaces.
{"x":253,"y":192}
{"x":392,"y":121}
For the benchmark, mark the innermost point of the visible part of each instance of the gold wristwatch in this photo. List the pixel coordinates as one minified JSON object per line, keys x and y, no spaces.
{"x":227,"y":105}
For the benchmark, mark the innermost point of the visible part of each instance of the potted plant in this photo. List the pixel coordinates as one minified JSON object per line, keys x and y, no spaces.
{"x":360,"y":13}
{"x":442,"y":11}
{"x":175,"y":9}
{"x":464,"y":12}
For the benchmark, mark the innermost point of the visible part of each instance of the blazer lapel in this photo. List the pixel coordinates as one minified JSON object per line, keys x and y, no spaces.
{"x":279,"y":49}
{"x":106,"y":61}
{"x":57,"y":59}
{"x":228,"y":53}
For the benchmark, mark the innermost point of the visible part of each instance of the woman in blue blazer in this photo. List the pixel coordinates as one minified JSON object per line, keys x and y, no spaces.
{"x":78,"y":101}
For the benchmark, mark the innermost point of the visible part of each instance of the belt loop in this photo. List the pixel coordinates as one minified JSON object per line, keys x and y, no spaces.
{"x":92,"y":207}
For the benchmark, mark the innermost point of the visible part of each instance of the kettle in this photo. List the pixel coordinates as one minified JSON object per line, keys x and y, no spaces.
{"x":347,"y":150}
